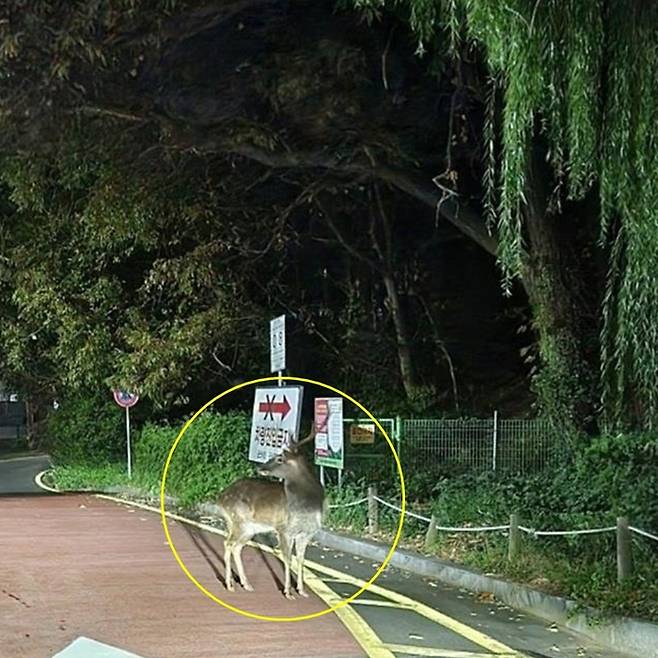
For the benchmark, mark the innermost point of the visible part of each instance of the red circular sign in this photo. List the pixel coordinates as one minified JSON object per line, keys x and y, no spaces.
{"x":125,"y":399}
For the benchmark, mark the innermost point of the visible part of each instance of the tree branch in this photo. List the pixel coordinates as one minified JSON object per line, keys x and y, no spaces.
{"x":342,"y":240}
{"x":111,"y":112}
{"x":463,"y":218}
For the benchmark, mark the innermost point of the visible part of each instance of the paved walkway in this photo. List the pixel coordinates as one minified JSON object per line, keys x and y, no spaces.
{"x":77,"y":566}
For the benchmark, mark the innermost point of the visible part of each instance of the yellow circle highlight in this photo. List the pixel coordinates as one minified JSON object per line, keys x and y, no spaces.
{"x":254,"y":615}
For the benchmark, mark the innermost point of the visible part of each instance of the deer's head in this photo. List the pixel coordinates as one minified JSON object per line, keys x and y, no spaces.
{"x":280,"y":466}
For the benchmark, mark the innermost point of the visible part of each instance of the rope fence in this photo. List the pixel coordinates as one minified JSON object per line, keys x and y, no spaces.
{"x":566,"y":533}
{"x":513,"y":528}
{"x":354,"y":503}
{"x":644,"y":533}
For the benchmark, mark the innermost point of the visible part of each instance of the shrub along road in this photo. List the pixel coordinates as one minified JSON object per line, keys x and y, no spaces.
{"x":80,"y":566}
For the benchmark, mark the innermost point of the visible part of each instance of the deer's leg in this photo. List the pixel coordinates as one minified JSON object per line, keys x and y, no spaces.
{"x":300,"y":548}
{"x":286,"y":550}
{"x":237,"y":554}
{"x":228,"y":550}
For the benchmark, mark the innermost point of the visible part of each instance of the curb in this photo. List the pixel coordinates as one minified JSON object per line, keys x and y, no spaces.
{"x":117,"y":490}
{"x":620,"y":634}
{"x":38,"y":480}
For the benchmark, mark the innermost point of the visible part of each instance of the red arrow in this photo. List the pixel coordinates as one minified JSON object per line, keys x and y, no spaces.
{"x":271,"y":407}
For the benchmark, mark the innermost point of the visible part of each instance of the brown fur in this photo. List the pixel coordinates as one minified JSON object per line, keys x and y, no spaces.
{"x":292,"y":510}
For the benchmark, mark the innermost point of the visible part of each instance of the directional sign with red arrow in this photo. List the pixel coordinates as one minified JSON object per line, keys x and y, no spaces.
{"x":271,"y":407}
{"x":274,"y":421}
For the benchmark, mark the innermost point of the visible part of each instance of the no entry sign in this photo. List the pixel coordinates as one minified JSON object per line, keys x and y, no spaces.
{"x":275,"y":421}
{"x":125,"y":399}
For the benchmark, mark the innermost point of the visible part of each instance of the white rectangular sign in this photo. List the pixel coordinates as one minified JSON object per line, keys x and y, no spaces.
{"x":278,"y":344}
{"x":275,"y":421}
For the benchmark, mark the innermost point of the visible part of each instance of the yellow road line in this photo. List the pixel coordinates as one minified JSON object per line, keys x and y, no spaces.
{"x":475,"y":636}
{"x":440,"y":653}
{"x":376,"y":602}
{"x":354,"y":623}
{"x":430,"y":613}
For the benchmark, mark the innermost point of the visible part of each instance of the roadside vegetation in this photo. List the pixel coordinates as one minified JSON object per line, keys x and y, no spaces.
{"x":611,"y":477}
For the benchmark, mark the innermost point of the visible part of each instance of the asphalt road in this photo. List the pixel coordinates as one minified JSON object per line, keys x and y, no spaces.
{"x":17,"y":474}
{"x":83,"y":576}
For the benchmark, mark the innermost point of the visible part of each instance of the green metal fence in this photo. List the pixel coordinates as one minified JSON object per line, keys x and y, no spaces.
{"x":477,"y":444}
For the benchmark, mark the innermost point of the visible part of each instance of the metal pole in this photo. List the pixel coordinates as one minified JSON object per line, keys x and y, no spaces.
{"x":280,"y":381}
{"x":322,"y":475}
{"x":130,"y":473}
{"x":495,"y":438}
{"x":340,"y":479}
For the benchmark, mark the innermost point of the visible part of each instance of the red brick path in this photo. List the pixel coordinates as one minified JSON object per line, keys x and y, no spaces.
{"x":75,"y":566}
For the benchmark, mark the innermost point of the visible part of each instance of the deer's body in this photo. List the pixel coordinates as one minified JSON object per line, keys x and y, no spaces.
{"x":292,"y":510}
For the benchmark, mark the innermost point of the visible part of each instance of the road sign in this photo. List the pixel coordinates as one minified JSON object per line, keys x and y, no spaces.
{"x":125,"y":399}
{"x":329,"y":449}
{"x":275,"y":421}
{"x":278,"y":344}
{"x":362,"y":433}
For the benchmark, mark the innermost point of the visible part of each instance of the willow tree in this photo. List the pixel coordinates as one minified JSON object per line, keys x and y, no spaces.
{"x":571,"y":117}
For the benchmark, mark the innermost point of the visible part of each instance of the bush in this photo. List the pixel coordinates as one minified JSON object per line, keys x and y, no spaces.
{"x":612,"y":476}
{"x":86,"y":431}
{"x":211,"y":455}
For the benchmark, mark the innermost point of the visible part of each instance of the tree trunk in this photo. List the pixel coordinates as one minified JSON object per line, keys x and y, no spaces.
{"x":565,"y":384}
{"x":407,"y":371}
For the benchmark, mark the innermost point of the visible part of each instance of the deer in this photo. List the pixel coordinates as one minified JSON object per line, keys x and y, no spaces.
{"x":291,"y":508}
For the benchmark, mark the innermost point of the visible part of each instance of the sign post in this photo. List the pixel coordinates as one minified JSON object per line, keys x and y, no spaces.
{"x":275,"y":421}
{"x":126,"y":400}
{"x":329,"y":443}
{"x":278,"y":346}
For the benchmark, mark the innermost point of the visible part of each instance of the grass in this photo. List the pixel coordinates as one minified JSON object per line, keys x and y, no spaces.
{"x":589,"y":578}
{"x":85,"y":477}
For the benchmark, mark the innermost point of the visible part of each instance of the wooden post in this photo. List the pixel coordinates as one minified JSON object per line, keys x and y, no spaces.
{"x":514,"y":547}
{"x":430,"y":537}
{"x":373,"y":512}
{"x":624,"y":557}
